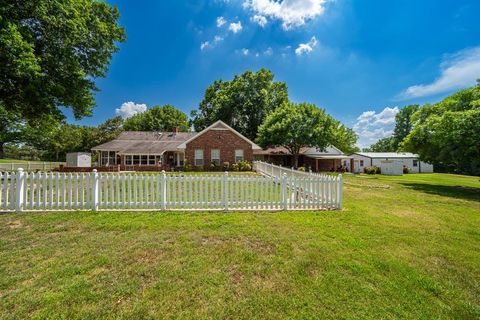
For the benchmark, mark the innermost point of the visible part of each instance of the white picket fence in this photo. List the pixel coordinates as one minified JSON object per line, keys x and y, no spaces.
{"x":44,"y":191}
{"x":30,"y":166}
{"x":278,"y":171}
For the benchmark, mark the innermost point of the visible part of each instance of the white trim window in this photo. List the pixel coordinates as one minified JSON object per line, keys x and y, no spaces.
{"x":239,"y":155}
{"x":415,"y":163}
{"x":215,"y":153}
{"x":198,"y":157}
{"x":128,"y":160}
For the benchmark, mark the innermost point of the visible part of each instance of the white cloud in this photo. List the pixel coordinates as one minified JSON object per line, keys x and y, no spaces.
{"x":217,"y":39}
{"x":129,"y":109}
{"x":292,"y":13}
{"x":372,"y":126}
{"x":456,"y":72}
{"x":235,"y":27}
{"x":221,"y":21}
{"x":268,"y":52}
{"x":260,"y":20}
{"x":305,"y":48}
{"x":205,"y":45}
{"x":245,"y":51}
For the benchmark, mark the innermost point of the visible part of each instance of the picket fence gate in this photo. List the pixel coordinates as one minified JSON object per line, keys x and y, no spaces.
{"x":45,"y":191}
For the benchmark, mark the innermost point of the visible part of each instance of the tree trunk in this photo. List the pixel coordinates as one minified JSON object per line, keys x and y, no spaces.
{"x":2,"y":151}
{"x":295,"y":160}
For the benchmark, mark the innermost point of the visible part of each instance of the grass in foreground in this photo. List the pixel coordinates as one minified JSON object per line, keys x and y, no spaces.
{"x":404,"y":247}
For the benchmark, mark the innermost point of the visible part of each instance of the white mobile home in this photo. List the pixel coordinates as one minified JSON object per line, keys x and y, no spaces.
{"x":361,"y":160}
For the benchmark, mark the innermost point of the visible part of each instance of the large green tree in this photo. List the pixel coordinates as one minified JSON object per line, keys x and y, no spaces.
{"x":382,"y":145}
{"x":106,"y":131}
{"x":344,"y":138}
{"x":403,"y":125}
{"x":448,"y":133}
{"x":158,"y":118}
{"x":10,"y":129}
{"x":294,"y":126}
{"x":52,"y":51}
{"x":243,"y":103}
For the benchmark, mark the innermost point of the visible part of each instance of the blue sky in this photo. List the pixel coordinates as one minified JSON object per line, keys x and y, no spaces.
{"x":360,"y":60}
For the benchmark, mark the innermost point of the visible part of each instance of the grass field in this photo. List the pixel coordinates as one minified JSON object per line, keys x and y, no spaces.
{"x":403,"y":247}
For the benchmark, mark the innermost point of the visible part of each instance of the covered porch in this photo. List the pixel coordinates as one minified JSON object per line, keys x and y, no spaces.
{"x":133,"y":162}
{"x":329,"y":163}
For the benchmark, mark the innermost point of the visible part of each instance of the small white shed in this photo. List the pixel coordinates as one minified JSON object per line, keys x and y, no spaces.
{"x":79,"y":159}
{"x":391,"y":167}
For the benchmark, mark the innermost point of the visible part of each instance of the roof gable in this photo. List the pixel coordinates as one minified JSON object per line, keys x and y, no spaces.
{"x":328,"y":150}
{"x":219,"y":125}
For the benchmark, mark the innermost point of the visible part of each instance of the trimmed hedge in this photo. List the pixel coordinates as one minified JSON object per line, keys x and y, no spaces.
{"x":372,"y":170}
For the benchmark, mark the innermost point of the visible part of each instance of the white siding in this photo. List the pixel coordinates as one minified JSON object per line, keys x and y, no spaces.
{"x":421,"y":167}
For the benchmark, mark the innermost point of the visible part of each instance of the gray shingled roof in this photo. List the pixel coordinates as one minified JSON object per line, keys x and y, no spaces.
{"x":277,"y":151}
{"x":141,"y":142}
{"x":377,"y":155}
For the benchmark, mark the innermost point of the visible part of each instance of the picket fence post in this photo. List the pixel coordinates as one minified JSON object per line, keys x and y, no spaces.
{"x":225,"y":190}
{"x":340,"y":191}
{"x":19,"y":190}
{"x":164,"y":190}
{"x":95,"y":190}
{"x":284,"y":191}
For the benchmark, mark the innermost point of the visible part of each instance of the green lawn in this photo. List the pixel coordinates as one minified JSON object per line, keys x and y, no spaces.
{"x":13,"y":161}
{"x":403,"y":247}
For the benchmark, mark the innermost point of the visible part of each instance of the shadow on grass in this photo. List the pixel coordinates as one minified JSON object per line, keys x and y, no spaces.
{"x":459,"y":192}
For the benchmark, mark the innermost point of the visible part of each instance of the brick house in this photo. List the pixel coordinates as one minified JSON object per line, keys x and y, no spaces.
{"x":217,"y":144}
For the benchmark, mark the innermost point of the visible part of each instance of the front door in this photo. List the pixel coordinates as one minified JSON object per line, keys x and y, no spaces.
{"x":356,"y":166}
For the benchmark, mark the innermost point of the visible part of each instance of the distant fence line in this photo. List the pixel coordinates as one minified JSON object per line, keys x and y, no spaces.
{"x":31,"y":166}
{"x":44,"y":191}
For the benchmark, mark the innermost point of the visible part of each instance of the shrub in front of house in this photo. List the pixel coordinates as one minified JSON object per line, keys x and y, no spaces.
{"x":198,"y":168}
{"x":406,"y":169}
{"x":372,"y":170}
{"x":214,"y":166}
{"x":244,"y":166}
{"x":226,"y":166}
{"x":187,"y":166}
{"x":301,"y":169}
{"x":235,"y":167}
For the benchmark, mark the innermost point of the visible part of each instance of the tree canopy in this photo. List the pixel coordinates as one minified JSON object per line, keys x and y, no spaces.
{"x":294,"y":126}
{"x":403,"y":125}
{"x":448,"y":133}
{"x":242,"y":103}
{"x":51,"y":52}
{"x":10,"y":128}
{"x":344,"y":138}
{"x":158,"y":118}
{"x":382,"y":145}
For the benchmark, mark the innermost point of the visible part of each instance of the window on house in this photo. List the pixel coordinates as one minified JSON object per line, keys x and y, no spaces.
{"x":144,"y":159}
{"x":104,"y":160}
{"x":151,"y":160}
{"x":136,"y":159}
{"x":128,"y":160}
{"x":361,"y":163}
{"x":238,"y":155}
{"x":112,"y":159}
{"x":198,"y":157}
{"x":216,"y":156}
{"x":415,"y":163}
